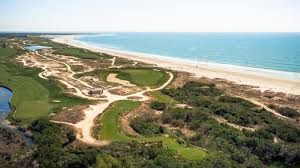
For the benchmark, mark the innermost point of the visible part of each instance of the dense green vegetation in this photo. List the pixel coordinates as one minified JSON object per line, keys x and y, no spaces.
{"x":146,"y":126}
{"x":235,"y":110}
{"x":241,"y":147}
{"x":156,"y":105}
{"x":51,"y":152}
{"x":110,"y":131}
{"x":289,"y":112}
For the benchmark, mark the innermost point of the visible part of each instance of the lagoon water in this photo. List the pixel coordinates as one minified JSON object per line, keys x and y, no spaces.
{"x":5,"y":95}
{"x":275,"y":51}
{"x":36,"y":47}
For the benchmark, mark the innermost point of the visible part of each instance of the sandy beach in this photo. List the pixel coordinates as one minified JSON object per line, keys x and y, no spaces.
{"x":263,"y":79}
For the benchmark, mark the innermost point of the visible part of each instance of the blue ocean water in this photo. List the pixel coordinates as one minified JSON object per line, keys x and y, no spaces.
{"x":5,"y":95}
{"x":275,"y":51}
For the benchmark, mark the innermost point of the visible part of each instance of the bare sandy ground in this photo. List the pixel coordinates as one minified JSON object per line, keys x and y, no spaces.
{"x":113,"y":78}
{"x":241,"y":76}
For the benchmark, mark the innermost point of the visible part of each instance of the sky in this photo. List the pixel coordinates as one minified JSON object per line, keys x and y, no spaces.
{"x":150,"y":15}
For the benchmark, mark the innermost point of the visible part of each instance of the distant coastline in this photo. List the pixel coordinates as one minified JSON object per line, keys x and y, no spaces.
{"x":229,"y":67}
{"x":275,"y":51}
{"x":265,"y":79}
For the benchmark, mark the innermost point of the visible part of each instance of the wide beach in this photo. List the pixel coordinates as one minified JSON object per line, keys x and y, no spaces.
{"x":277,"y":81}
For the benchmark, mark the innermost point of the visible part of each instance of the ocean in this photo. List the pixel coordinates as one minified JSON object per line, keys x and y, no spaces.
{"x":273,"y":51}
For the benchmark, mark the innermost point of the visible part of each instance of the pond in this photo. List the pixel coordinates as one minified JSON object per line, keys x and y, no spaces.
{"x":36,"y":47}
{"x":5,"y":95}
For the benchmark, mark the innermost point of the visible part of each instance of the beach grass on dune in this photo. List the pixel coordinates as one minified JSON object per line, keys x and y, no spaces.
{"x":80,"y":53}
{"x":101,"y":74}
{"x":110,"y":131}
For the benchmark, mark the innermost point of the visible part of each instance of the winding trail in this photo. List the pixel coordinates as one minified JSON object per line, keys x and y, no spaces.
{"x":84,"y":127}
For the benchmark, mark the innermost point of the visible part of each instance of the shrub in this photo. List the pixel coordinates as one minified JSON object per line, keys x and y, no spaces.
{"x":146,"y":126}
{"x":289,"y":112}
{"x":158,"y":106}
{"x":228,"y":99}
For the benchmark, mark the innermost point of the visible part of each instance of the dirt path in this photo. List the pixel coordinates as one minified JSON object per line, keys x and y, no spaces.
{"x":239,"y":127}
{"x":87,"y":123}
{"x":66,"y":77}
{"x":280,"y":116}
{"x":84,"y":127}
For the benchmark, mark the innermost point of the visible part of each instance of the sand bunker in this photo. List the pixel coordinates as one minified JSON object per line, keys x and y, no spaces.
{"x":113,"y":78}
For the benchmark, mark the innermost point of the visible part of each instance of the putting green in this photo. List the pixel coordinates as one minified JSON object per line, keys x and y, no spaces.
{"x":143,"y":76}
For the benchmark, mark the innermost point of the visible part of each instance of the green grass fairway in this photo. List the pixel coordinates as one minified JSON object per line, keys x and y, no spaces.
{"x":7,"y":52}
{"x":110,"y":131}
{"x":32,"y":96}
{"x":29,"y":110}
{"x":143,"y":77}
{"x":25,"y":92}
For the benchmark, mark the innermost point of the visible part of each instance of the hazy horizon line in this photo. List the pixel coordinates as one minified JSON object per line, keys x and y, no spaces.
{"x":94,"y":32}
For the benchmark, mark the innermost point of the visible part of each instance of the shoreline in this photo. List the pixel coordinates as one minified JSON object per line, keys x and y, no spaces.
{"x":264,"y":79}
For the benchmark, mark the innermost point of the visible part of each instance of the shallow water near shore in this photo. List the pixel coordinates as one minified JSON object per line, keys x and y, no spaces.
{"x":274,"y":51}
